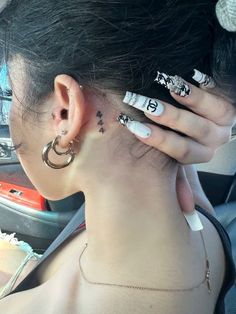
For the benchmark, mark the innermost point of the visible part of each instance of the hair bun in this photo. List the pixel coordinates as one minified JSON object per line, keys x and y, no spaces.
{"x":226,"y":14}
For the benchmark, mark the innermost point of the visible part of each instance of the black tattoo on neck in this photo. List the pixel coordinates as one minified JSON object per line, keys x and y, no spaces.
{"x":100,"y":123}
{"x":99,"y":114}
{"x":102,"y":130}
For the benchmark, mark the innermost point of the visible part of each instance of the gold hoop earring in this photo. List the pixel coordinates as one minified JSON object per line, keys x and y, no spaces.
{"x":52,"y":146}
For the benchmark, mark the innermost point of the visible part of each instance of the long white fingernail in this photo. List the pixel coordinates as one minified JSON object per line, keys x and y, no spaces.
{"x":203,"y":79}
{"x":145,"y":104}
{"x":194,"y":221}
{"x":139,"y":129}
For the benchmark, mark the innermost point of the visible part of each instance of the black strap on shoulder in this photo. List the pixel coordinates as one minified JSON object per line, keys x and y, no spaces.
{"x":31,"y":280}
{"x":230,"y":267}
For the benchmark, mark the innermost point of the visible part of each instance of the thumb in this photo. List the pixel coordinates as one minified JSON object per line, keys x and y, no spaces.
{"x":184,"y":191}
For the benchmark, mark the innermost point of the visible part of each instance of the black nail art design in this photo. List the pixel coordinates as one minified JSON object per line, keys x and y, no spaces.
{"x":102,"y":130}
{"x":173,"y":83}
{"x":164,"y":79}
{"x":124,"y":119}
{"x":180,"y":87}
{"x":203,"y":79}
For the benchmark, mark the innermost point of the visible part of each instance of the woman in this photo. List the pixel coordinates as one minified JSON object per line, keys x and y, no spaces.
{"x":99,"y":48}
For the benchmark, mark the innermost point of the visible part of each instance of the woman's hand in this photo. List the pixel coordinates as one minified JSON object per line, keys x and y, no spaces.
{"x":207,"y":127}
{"x":189,"y":190}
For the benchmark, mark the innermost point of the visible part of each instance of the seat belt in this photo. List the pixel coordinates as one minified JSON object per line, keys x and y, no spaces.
{"x":30,"y":281}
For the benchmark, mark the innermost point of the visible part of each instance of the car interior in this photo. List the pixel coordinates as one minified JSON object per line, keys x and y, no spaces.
{"x":22,"y":210}
{"x":39,"y":221}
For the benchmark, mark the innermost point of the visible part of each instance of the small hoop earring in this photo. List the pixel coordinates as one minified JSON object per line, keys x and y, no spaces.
{"x":52,"y":146}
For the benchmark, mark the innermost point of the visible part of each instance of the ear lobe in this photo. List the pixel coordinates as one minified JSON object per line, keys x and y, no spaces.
{"x":70,"y":100}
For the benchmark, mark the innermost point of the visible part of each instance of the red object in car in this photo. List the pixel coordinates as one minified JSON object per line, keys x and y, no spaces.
{"x":22,"y":196}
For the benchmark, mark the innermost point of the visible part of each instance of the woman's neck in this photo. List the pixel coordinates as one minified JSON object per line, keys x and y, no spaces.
{"x":132,"y":211}
{"x":125,"y":211}
{"x":130,"y":218}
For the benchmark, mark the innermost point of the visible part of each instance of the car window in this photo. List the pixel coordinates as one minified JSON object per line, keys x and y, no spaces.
{"x":5,"y":97}
{"x":6,"y":156}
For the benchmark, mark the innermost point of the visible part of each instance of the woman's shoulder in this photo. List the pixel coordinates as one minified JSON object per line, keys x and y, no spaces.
{"x":58,"y":271}
{"x":17,"y":260}
{"x":26,"y":302}
{"x":70,"y":248}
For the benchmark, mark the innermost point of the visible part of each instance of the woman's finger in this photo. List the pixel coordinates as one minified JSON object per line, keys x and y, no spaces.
{"x":202,"y":130}
{"x":184,"y":192}
{"x":207,"y":126}
{"x":183,"y":149}
{"x":199,"y":128}
{"x":199,"y":195}
{"x":186,"y":200}
{"x":204,"y":103}
{"x":209,"y":106}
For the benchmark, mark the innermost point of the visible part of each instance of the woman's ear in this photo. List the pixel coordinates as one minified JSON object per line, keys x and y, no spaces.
{"x":69,"y":109}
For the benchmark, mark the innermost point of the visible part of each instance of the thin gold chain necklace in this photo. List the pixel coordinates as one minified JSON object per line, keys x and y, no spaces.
{"x":205,"y":280}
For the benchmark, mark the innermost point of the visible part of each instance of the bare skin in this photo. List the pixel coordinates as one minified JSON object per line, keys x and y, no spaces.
{"x":64,"y":264}
{"x":11,"y":258}
{"x":123,"y":199}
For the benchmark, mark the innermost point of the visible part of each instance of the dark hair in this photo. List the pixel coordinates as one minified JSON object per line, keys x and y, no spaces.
{"x":118,"y":45}
{"x":224,"y":62}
